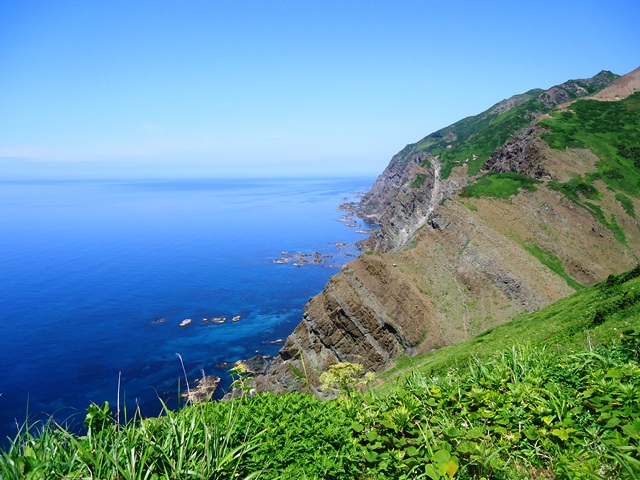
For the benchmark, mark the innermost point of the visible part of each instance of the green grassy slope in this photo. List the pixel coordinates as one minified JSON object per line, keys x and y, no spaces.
{"x":611,"y":130}
{"x":475,"y":138}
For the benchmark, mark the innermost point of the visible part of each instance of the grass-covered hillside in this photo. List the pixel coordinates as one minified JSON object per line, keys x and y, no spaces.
{"x":554,"y":394}
{"x":473,"y":139}
{"x":611,"y":130}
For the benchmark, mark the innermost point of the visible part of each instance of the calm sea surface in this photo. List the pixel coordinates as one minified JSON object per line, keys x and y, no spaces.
{"x":95,"y":278}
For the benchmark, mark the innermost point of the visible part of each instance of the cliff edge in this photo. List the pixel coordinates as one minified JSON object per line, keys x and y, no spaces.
{"x":496,"y":215}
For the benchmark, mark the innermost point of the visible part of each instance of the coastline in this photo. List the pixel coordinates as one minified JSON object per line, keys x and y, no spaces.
{"x":259,"y":364}
{"x":101,"y":274}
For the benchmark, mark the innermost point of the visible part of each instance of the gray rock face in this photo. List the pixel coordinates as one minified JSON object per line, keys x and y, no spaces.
{"x":409,"y":204}
{"x":522,"y":154}
{"x":555,"y":96}
{"x":375,"y":203}
{"x":576,"y":88}
{"x":508,"y":104}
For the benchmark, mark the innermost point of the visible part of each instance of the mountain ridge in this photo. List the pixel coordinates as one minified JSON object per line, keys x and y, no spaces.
{"x":466,"y":244}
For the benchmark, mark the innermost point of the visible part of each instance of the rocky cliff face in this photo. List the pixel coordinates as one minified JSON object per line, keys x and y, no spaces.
{"x":446,"y":267}
{"x":524,"y":153}
{"x":366,"y":314}
{"x":400,"y":208}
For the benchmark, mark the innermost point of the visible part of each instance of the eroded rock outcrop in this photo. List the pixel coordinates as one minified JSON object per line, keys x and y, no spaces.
{"x":523,"y":154}
{"x":366,"y":314}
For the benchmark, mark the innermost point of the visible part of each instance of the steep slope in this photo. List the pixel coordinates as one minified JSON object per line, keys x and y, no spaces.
{"x":627,"y":85}
{"x":397,"y":204}
{"x":496,"y":215}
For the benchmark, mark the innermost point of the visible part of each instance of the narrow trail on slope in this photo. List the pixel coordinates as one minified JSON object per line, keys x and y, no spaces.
{"x":436,"y":188}
{"x":407,"y":232}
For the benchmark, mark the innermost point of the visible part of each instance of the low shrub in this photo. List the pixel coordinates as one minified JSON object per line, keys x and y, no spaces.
{"x":498,"y":185}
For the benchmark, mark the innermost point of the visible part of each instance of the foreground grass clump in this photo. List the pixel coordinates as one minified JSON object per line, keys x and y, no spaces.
{"x":268,"y":436}
{"x":525,"y":413}
{"x":564,"y":406}
{"x":528,"y":412}
{"x":177,"y":445}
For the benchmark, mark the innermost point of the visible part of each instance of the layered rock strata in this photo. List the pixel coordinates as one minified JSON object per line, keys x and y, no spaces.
{"x":366,"y":314}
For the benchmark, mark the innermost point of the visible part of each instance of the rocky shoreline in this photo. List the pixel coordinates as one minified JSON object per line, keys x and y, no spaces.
{"x":443,"y":267}
{"x":258,"y":365}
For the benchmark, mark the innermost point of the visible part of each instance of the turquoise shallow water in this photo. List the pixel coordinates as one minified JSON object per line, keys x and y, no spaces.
{"x":95,"y":278}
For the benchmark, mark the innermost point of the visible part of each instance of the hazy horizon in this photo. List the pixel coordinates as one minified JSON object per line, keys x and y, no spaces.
{"x":20,"y":169}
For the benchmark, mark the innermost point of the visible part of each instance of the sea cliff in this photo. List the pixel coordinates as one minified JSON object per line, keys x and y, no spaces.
{"x":479,"y":222}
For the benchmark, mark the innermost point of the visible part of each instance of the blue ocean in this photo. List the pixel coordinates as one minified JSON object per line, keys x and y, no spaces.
{"x":97,"y":276}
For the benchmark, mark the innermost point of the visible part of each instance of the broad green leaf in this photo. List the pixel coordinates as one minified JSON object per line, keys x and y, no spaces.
{"x":632,"y":429}
{"x":613,"y":421}
{"x":466,"y":447}
{"x":441,"y":456}
{"x":562,"y":433}
{"x":500,"y":430}
{"x":357,"y":427}
{"x":452,"y":467}
{"x":371,"y":456}
{"x":453,"y":432}
{"x":412,"y":451}
{"x":431,"y":472}
{"x":614,"y":373}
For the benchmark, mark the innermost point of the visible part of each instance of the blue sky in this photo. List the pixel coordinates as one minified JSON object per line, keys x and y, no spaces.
{"x":236,"y":87}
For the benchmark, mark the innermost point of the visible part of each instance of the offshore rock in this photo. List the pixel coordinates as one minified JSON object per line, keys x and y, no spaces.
{"x":204,"y":390}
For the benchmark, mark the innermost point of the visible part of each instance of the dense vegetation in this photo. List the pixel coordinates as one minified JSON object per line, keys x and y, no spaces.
{"x":564,"y":405}
{"x":498,"y":185}
{"x":611,"y":130}
{"x":473,"y":139}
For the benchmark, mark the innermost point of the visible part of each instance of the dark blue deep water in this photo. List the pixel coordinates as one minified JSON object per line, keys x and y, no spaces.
{"x":96,"y":276}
